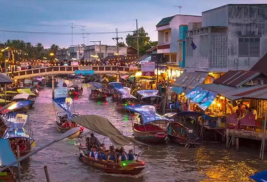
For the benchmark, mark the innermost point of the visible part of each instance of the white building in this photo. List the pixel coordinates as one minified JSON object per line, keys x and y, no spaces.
{"x":169,"y":33}
{"x":77,"y":52}
{"x":232,"y":37}
{"x":63,"y":54}
{"x":91,"y":51}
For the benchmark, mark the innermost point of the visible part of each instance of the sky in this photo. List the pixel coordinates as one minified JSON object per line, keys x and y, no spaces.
{"x":92,"y":16}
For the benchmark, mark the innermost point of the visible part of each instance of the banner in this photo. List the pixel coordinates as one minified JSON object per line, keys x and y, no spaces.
{"x":148,"y":69}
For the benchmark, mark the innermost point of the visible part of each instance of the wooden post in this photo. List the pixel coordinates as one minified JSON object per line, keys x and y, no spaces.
{"x":46,"y":174}
{"x":53,"y":87}
{"x":263,"y":140}
{"x":227,"y":137}
{"x":18,"y":156}
{"x":237,"y":143}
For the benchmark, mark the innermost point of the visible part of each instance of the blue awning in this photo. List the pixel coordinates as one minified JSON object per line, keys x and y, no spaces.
{"x":260,"y":177}
{"x":178,"y":90}
{"x":15,"y":120}
{"x":61,"y":102}
{"x":116,"y":84}
{"x":15,"y":105}
{"x":147,"y":112}
{"x":16,"y":133}
{"x":6,"y":154}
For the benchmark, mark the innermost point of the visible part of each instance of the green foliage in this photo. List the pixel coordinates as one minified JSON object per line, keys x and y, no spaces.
{"x":144,"y":41}
{"x":121,"y":44}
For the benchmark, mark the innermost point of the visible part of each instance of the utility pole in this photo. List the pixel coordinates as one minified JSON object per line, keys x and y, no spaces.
{"x":137,"y":38}
{"x":72,"y":34}
{"x":83,"y":33}
{"x":117,"y":40}
{"x":180,"y":8}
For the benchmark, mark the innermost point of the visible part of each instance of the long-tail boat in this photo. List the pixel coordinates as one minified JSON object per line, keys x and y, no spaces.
{"x":149,"y":97}
{"x":104,"y":127}
{"x":147,"y":124}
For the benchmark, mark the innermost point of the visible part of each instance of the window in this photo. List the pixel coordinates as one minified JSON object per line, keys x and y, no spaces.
{"x":249,"y":47}
{"x":166,"y":37}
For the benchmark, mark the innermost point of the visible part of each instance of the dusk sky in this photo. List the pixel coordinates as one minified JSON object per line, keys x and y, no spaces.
{"x":95,"y":15}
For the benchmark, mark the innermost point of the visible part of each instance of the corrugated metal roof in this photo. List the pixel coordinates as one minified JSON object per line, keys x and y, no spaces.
{"x":165,"y":21}
{"x":236,"y":78}
{"x":181,"y":79}
{"x":255,"y":92}
{"x":261,"y":65}
{"x":220,"y":89}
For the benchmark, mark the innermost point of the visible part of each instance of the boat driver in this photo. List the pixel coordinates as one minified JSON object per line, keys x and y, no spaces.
{"x":94,"y":141}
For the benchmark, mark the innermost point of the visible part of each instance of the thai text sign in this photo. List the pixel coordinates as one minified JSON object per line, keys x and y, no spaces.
{"x":148,"y":69}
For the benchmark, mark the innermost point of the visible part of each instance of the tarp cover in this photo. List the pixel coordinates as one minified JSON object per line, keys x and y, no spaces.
{"x":15,"y":106}
{"x":103,"y":127}
{"x":260,"y":177}
{"x":26,"y":91}
{"x":15,"y":120}
{"x":21,"y":96}
{"x":125,"y":93}
{"x":116,"y":84}
{"x":147,"y":112}
{"x":16,"y":133}
{"x":6,"y":154}
{"x":148,"y":93}
{"x":95,"y":85}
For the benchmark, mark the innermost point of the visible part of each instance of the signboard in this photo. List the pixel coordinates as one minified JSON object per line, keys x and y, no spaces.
{"x":158,"y":58}
{"x":84,"y":72}
{"x":148,"y":69}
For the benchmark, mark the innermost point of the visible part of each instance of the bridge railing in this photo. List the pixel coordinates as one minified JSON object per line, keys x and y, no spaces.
{"x":73,"y":69}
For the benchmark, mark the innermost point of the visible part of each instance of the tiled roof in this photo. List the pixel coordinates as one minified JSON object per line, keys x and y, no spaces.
{"x":165,"y":21}
{"x":236,"y":78}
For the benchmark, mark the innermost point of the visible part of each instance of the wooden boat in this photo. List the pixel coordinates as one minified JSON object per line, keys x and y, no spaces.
{"x":125,"y":99}
{"x":130,"y":168}
{"x":102,"y":126}
{"x":149,"y":97}
{"x":97,"y":93}
{"x":6,"y":157}
{"x":148,"y":126}
{"x":75,"y":91}
{"x":182,"y":135}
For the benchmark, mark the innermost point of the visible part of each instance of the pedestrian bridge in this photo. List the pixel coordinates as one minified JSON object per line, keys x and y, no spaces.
{"x":57,"y":70}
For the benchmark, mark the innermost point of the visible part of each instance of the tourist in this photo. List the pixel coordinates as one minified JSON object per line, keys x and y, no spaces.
{"x":123,"y":156}
{"x":239,"y":111}
{"x":131,"y":155}
{"x":101,"y":155}
{"x":102,"y":147}
{"x":94,"y":141}
{"x":93,"y":153}
{"x":111,"y":155}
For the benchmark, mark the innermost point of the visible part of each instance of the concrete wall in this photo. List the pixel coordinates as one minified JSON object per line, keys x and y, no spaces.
{"x":215,"y":17}
{"x":246,"y":21}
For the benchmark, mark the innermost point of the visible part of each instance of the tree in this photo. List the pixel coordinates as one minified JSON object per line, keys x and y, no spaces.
{"x":144,"y":41}
{"x":121,"y":44}
{"x":54,"y":48}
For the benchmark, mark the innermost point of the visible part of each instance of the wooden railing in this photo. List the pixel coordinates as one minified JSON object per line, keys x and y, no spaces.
{"x":68,"y":69}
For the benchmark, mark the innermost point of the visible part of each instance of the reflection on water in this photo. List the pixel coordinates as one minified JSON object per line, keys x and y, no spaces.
{"x":210,"y":162}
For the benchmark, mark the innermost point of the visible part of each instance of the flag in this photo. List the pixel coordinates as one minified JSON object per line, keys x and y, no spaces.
{"x":193,"y":45}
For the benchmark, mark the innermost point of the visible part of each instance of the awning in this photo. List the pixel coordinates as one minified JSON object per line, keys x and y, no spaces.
{"x":189,"y":80}
{"x":26,"y":91}
{"x":5,"y":79}
{"x":15,"y":106}
{"x":124,"y":77}
{"x":203,"y":98}
{"x":178,"y":90}
{"x":103,"y":127}
{"x":16,"y":133}
{"x":6,"y":154}
{"x":15,"y":120}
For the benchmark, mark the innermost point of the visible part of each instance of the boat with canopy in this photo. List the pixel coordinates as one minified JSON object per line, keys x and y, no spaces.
{"x":124,"y":98}
{"x":7,"y":157}
{"x":63,"y":123}
{"x":112,"y":86}
{"x":16,"y":133}
{"x":96,"y":91}
{"x":148,"y":125}
{"x":20,"y":97}
{"x":183,"y":130}
{"x":20,"y":106}
{"x":75,"y":91}
{"x":104,"y":127}
{"x":149,"y":97}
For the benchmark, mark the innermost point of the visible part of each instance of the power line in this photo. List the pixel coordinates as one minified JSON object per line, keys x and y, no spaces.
{"x":61,"y":33}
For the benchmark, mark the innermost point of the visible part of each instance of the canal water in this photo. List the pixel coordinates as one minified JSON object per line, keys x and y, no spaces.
{"x":170,"y":163}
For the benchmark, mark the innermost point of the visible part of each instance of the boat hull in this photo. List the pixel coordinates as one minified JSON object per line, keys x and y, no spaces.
{"x":115,"y":168}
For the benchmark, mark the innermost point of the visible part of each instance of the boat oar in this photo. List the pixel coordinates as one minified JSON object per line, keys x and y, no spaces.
{"x":64,"y":135}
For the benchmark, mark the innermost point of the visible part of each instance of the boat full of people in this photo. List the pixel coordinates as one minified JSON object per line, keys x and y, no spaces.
{"x":108,"y":160}
{"x":75,"y":91}
{"x":97,"y":92}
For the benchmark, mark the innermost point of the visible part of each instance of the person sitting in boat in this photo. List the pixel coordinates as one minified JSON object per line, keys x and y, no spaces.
{"x":66,"y":124}
{"x":102,"y":147}
{"x":122,"y":150}
{"x":112,"y":154}
{"x":93,"y":153}
{"x":94,"y":141}
{"x":123,"y":157}
{"x":141,"y":119}
{"x":101,"y":155}
{"x":73,"y":125}
{"x":131,"y":155}
{"x":22,"y":145}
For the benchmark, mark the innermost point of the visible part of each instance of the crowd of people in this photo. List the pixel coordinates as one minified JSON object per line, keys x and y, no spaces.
{"x":98,"y":151}
{"x":241,"y":110}
{"x":18,"y":141}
